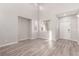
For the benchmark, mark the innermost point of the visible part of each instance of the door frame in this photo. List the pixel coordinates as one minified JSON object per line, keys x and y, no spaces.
{"x":65,"y":14}
{"x":59,"y":29}
{"x":18,"y":27}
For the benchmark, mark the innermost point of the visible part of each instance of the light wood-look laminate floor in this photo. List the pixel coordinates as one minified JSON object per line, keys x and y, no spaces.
{"x":41,"y":47}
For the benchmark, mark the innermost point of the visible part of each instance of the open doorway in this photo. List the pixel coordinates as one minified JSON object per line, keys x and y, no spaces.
{"x":44,"y":29}
{"x":24,"y":28}
{"x":67,"y":26}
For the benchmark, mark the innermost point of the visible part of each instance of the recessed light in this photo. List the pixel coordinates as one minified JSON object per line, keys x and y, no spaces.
{"x":41,"y":8}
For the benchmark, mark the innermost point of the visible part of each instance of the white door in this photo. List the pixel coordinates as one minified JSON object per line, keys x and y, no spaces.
{"x":24,"y":28}
{"x":65,"y":28}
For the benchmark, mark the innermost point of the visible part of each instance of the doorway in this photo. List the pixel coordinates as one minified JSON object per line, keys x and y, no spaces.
{"x":67,"y":27}
{"x":24,"y":28}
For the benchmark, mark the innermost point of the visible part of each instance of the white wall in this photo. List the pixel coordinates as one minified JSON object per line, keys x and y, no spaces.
{"x":9,"y":20}
{"x":78,"y":28}
{"x":50,"y":10}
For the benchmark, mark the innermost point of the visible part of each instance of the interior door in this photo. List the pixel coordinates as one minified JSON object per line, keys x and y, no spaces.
{"x":24,"y":28}
{"x":65,"y":28}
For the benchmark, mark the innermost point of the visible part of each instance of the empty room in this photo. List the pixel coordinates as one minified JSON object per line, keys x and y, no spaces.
{"x":39,"y":29}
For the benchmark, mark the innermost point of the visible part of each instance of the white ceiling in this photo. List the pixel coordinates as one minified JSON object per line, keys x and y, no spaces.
{"x":50,"y":9}
{"x":59,"y":7}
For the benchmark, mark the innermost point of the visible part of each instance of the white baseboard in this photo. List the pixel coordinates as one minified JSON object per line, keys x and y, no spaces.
{"x":33,"y":38}
{"x":24,"y":39}
{"x":8,"y":44}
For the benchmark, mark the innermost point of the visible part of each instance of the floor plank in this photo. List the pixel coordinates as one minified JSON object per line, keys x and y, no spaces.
{"x":41,"y":47}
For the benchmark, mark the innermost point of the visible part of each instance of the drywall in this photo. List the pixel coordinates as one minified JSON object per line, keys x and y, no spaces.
{"x":9,"y":13}
{"x":50,"y":10}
